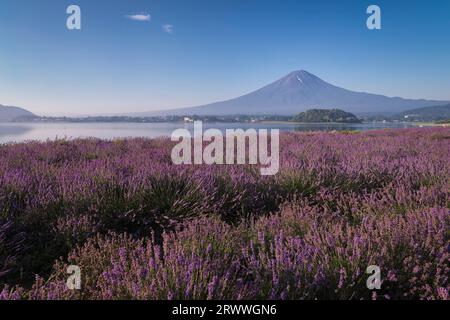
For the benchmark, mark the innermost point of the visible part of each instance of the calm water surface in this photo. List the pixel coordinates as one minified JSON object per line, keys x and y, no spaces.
{"x":19,"y":132}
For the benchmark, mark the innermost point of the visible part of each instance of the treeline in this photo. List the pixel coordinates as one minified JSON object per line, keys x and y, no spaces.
{"x":230,"y":118}
{"x":326,"y":115}
{"x":438,"y":114}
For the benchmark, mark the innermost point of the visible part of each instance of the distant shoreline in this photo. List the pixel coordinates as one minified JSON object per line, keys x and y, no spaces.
{"x":425,"y":124}
{"x":295,"y":122}
{"x":279,"y":122}
{"x":430,"y":124}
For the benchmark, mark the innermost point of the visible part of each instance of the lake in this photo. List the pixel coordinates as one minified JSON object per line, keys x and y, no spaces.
{"x":19,"y":132}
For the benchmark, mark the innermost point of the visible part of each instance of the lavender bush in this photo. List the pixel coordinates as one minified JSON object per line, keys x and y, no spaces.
{"x":140,"y":227}
{"x":10,"y":246}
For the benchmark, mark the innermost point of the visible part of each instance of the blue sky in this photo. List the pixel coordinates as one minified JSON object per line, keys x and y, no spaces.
{"x":217,"y":50}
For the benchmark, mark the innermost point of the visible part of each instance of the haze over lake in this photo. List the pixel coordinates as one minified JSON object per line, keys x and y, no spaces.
{"x":19,"y":132}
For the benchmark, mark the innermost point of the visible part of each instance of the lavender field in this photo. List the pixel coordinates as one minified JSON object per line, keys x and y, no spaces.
{"x":140,"y":227}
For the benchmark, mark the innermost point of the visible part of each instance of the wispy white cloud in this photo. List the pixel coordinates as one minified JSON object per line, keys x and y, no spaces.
{"x":168,"y":28}
{"x":139,"y":17}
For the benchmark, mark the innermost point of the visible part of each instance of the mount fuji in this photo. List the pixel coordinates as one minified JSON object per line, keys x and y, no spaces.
{"x":299,"y":91}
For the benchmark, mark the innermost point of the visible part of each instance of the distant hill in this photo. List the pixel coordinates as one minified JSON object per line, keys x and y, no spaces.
{"x":435,"y":113}
{"x":326,"y":115}
{"x":299,"y":91}
{"x":8,"y":114}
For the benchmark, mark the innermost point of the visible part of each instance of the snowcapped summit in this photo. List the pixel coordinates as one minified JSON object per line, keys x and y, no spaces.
{"x":296,"y":78}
